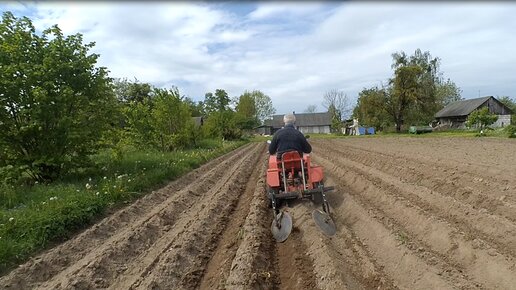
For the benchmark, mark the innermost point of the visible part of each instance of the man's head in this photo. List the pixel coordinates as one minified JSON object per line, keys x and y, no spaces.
{"x":289,"y":119}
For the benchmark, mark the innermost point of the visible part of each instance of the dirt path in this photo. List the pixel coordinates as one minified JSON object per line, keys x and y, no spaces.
{"x":411,"y":213}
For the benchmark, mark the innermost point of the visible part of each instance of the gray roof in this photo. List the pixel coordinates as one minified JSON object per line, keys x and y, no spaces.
{"x":302,"y":120}
{"x":461,"y":108}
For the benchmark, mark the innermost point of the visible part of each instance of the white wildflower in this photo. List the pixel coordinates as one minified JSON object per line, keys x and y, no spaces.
{"x":129,"y":180}
{"x":105,"y":177}
{"x":36,"y":182}
{"x":11,"y":219}
{"x":88,"y":186}
{"x":44,"y":203}
{"x":97,"y":193}
{"x":89,"y":179}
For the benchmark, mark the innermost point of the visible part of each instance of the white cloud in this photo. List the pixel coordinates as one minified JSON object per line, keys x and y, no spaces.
{"x":293,"y":52}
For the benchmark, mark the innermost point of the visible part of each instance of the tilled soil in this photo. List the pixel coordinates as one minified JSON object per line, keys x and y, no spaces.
{"x":411,"y":213}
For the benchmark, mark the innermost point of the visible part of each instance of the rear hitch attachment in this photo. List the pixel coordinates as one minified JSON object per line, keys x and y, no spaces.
{"x":281,"y":226}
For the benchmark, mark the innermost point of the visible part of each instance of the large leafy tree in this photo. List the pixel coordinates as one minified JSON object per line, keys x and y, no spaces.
{"x":217,"y":102}
{"x":263,"y":105}
{"x":448,"y":92}
{"x":55,"y":102}
{"x":370,"y":108}
{"x":413,"y":95}
{"x":246,"y":117}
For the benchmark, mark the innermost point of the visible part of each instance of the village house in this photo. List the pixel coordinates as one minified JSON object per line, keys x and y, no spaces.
{"x":306,"y":123}
{"x":456,"y":114}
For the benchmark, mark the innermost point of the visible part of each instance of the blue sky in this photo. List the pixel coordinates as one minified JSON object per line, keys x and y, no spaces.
{"x":292,"y":51}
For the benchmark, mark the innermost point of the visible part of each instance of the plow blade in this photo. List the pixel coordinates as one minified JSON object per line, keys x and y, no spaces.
{"x":324,"y":222}
{"x":281,"y":226}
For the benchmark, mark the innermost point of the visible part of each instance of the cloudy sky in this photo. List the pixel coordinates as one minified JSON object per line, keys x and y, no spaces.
{"x":292,"y":51}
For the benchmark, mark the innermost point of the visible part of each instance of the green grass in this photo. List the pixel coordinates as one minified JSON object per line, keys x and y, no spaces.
{"x":32,"y":217}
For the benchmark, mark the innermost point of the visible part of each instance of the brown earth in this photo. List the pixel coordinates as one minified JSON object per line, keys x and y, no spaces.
{"x":411,"y":213}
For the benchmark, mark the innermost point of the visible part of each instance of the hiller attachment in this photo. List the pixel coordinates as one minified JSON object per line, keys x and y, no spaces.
{"x":281,"y":226}
{"x":322,"y":218}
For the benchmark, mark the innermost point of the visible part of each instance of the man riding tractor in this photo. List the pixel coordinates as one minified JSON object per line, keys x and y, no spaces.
{"x":289,"y":138}
{"x":291,"y":176}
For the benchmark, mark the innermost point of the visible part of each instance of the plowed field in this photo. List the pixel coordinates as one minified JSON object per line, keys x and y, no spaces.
{"x":411,"y":213}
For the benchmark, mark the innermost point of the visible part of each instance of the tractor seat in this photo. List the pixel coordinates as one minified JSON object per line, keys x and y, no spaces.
{"x":289,"y":156}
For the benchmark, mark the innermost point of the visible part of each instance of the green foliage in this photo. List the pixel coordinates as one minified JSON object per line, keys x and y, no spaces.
{"x":510,"y":131}
{"x":171,"y":116}
{"x":222,"y":125}
{"x":55,"y":103}
{"x":447,"y":92}
{"x":370,"y":109}
{"x":128,"y":92}
{"x":217,"y":102}
{"x":481,"y":118}
{"x":413,"y":96}
{"x":263,"y":105}
{"x":31,"y":217}
{"x":246,"y":117}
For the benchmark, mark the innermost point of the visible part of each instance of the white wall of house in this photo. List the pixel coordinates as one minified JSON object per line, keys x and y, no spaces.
{"x":314,"y":129}
{"x":503,"y":120}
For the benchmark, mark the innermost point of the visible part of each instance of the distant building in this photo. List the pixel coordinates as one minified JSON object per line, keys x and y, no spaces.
{"x":455,"y":114}
{"x":198,"y":121}
{"x":307,"y":123}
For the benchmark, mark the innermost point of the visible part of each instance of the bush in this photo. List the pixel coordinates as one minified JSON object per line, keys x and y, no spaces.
{"x":510,"y":131}
{"x":54,"y":104}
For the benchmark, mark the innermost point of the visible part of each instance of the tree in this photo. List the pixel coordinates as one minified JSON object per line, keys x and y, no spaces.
{"x":217,"y":102}
{"x":510,"y":103}
{"x":55,"y":103}
{"x":127,"y":91}
{"x":197,"y":109}
{"x":311,"y":109}
{"x":337,"y":104}
{"x":448,"y":92}
{"x":425,"y":104}
{"x":370,"y":108}
{"x":263,"y":104}
{"x":403,"y":93}
{"x":481,"y":118}
{"x":246,"y":117}
{"x":171,"y":116}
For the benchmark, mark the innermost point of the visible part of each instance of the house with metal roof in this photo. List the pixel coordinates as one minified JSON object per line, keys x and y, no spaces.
{"x":456,"y":114}
{"x":306,"y":123}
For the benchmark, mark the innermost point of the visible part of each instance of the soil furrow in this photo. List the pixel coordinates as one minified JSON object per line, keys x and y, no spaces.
{"x":497,"y":231}
{"x":192,"y":244}
{"x":454,"y":181}
{"x":433,"y":240}
{"x":49,"y":264}
{"x":411,"y":213}
{"x":219,"y":266}
{"x":131,"y":250}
